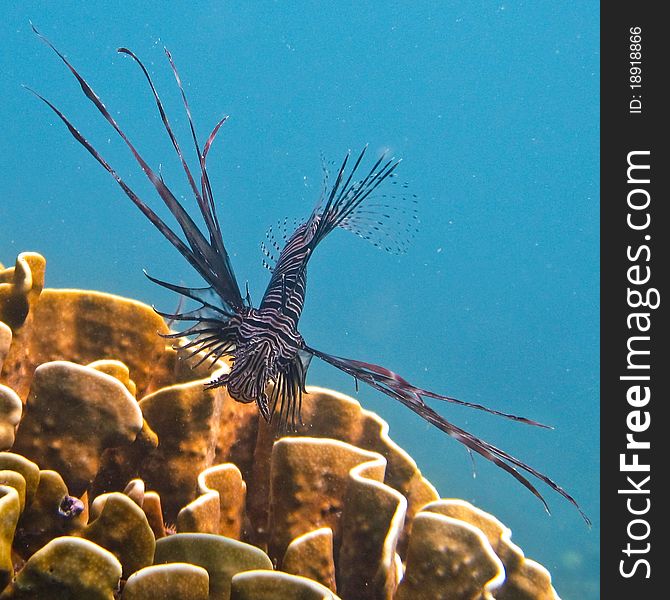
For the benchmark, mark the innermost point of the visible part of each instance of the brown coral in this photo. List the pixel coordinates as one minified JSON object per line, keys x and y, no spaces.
{"x":220,"y":556}
{"x":338,"y":507}
{"x":10,"y":509}
{"x":173,"y":581}
{"x":11,"y":410}
{"x":275,"y":585}
{"x":311,"y":555}
{"x":20,"y":287}
{"x":70,"y":566}
{"x":5,"y":341}
{"x":121,"y":527}
{"x":72,"y":414}
{"x":448,"y":558}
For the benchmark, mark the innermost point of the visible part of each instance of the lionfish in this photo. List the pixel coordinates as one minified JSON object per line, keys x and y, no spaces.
{"x":269,"y":357}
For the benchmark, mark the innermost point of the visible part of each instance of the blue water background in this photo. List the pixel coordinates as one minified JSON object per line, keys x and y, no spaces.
{"x":493,"y":107}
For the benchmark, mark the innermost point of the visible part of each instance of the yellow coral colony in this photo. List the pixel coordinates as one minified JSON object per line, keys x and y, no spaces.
{"x":121,"y":476}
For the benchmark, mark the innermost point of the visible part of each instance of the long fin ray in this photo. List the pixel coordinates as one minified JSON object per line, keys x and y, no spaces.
{"x":212,"y":266}
{"x":172,"y":237}
{"x":396,"y":387}
{"x":205,"y":207}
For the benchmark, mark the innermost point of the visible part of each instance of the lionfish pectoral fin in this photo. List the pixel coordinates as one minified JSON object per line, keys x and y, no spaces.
{"x":342,"y":199}
{"x":218,"y":382}
{"x":263,"y":403}
{"x":396,"y":387}
{"x":207,"y":256}
{"x":285,"y":398}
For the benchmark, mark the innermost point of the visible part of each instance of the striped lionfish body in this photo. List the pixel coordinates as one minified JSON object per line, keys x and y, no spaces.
{"x":268,"y":355}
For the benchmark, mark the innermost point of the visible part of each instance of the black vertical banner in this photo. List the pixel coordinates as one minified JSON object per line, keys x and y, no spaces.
{"x":635,"y":258}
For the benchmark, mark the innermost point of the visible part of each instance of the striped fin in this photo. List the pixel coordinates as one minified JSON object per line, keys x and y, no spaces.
{"x":396,"y":387}
{"x":277,"y":237}
{"x":285,"y":399}
{"x":388,"y":220}
{"x":339,"y":202}
{"x":208,"y":257}
{"x":341,"y":199}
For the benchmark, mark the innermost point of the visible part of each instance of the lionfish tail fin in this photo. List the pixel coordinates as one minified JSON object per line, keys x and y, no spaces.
{"x":396,"y":387}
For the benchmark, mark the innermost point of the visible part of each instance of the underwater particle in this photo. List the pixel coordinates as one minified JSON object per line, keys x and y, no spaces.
{"x":311,"y":555}
{"x":11,"y":409}
{"x":20,"y":287}
{"x":72,"y":414}
{"x":222,"y":557}
{"x":67,"y":567}
{"x":120,"y":526}
{"x":572,"y":560}
{"x":448,"y":559}
{"x":173,"y":581}
{"x":276,"y":585}
{"x":10,"y":508}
